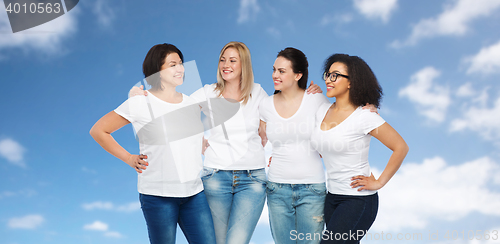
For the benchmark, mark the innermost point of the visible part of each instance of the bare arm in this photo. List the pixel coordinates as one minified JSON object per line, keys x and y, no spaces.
{"x":101,"y":132}
{"x":391,"y":139}
{"x":262,"y":133}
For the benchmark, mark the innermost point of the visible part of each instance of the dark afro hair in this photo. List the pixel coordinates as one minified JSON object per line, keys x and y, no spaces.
{"x":364,"y":85}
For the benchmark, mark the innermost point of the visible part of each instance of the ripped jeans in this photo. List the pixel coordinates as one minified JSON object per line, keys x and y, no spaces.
{"x":296,"y":212}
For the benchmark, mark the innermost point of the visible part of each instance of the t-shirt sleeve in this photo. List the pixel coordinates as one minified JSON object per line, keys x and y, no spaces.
{"x":199,"y":95}
{"x":126,"y":110}
{"x":261,"y":93}
{"x":370,"y":121}
{"x":262,"y":110}
{"x":319,"y":99}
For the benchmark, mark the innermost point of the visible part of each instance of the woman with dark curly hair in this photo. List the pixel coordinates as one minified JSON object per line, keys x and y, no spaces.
{"x":342,"y":136}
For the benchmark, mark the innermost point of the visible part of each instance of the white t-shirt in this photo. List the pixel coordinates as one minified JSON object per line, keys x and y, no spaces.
{"x":345,"y":148}
{"x":234,"y":140}
{"x":171,"y":136}
{"x":294,"y":160}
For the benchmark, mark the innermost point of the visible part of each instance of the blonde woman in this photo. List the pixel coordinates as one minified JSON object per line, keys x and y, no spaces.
{"x":234,"y":174}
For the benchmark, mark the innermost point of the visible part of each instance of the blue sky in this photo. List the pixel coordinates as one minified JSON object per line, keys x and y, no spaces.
{"x":437,"y":61}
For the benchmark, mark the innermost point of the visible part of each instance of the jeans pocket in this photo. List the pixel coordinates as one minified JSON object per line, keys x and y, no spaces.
{"x":318,"y":189}
{"x":270,"y":187}
{"x":207,"y":173}
{"x":258,"y":175}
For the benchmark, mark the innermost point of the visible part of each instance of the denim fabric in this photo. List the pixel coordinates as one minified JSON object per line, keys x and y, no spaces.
{"x":348,"y":218}
{"x":296,"y":212}
{"x":192,"y":213}
{"x":236,"y":199}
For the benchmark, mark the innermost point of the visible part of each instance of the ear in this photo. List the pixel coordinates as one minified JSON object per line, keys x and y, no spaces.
{"x":298,"y":76}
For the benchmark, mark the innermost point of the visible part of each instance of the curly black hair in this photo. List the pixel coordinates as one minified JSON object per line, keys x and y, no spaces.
{"x":364,"y":85}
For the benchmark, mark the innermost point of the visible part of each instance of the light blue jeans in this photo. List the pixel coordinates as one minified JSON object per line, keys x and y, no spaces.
{"x":296,"y":212}
{"x":236,"y":199}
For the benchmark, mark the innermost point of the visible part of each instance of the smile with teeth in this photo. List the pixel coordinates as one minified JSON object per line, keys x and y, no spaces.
{"x":329,"y":87}
{"x":277,"y":82}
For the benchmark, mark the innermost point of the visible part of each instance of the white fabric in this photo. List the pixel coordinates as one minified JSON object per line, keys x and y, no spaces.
{"x":235,"y":144}
{"x":345,"y":148}
{"x":294,"y":160}
{"x":174,"y":166}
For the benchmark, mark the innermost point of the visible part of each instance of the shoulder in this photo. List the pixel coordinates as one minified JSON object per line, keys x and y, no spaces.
{"x":265,"y":102}
{"x":366,"y":113}
{"x":316,"y":99}
{"x":321,"y":112}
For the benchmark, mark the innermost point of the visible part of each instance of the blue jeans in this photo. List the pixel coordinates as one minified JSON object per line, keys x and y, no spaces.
{"x":236,"y":199}
{"x":192,"y":213}
{"x":348,"y":218}
{"x":296,"y":212}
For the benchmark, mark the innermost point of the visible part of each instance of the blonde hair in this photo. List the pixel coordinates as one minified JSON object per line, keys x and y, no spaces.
{"x":246,"y":83}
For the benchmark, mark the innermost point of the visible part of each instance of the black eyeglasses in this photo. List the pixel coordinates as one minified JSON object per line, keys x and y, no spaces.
{"x":333,"y":76}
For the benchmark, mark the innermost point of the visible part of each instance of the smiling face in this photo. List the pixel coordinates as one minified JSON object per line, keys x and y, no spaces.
{"x":172,"y":71}
{"x":283,"y":76}
{"x":230,"y":65}
{"x":341,"y":85}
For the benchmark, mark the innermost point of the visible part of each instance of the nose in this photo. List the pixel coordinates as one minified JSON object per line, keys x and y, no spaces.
{"x":275,"y":74}
{"x":180,"y":68}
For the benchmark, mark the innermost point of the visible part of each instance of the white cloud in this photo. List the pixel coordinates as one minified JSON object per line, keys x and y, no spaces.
{"x":24,"y":193}
{"x":422,"y":193}
{"x":98,"y":205}
{"x":248,"y":10}
{"x":487,"y":61}
{"x":46,"y":38}
{"x":129,"y":207}
{"x":12,"y":151}
{"x":273,"y":32}
{"x":105,"y":14}
{"x":376,"y":9}
{"x":336,"y":19}
{"x":27,"y":222}
{"x":97,"y":225}
{"x":430,"y":99}
{"x":480,"y":119}
{"x":453,"y":21}
{"x":113,"y":234}
{"x":466,"y":90}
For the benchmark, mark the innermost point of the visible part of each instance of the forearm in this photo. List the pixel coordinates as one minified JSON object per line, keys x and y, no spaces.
{"x":108,"y":143}
{"x":393,"y":165}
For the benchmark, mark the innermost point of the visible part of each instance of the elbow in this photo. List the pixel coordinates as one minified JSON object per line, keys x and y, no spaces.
{"x":92,"y":133}
{"x":404,"y":149}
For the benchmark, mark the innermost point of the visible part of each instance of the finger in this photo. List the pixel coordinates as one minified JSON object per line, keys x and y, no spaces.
{"x":141,"y":87}
{"x":142,"y":156}
{"x":358,"y":177}
{"x":361,"y":188}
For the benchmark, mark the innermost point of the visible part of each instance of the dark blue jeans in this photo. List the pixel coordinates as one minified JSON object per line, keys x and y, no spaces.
{"x":348,"y":218}
{"x":191,"y":213}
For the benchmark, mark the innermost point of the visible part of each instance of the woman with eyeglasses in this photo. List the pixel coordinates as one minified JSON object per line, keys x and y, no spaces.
{"x":342,"y":136}
{"x":234,"y":176}
{"x":296,"y":187}
{"x":171,"y":191}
